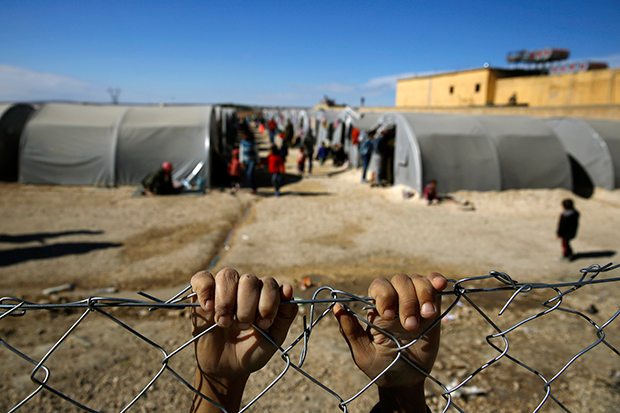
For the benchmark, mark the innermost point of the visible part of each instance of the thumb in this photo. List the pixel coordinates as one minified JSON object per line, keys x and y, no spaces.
{"x":356,"y":337}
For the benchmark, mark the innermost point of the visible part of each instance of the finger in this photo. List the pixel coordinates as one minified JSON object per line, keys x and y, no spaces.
{"x":203,"y":284}
{"x":385,"y":296}
{"x":269,"y":302}
{"x":408,"y":303}
{"x":248,"y":293}
{"x":354,"y":334}
{"x":225,"y":296}
{"x":439,"y":281}
{"x":426,"y":295}
{"x":286,"y":315}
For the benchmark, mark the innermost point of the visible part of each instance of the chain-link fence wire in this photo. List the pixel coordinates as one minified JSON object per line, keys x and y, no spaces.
{"x":465,"y":291}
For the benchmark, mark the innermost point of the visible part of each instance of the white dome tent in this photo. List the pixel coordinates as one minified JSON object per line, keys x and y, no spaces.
{"x":107,"y":145}
{"x":476,"y":153}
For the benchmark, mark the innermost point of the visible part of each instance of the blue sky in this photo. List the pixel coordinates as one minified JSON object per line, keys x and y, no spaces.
{"x":284,"y":53}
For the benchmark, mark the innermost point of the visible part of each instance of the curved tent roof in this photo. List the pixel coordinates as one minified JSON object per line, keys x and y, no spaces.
{"x":13,"y":117}
{"x":595,"y":144}
{"x":148,"y":136}
{"x":476,"y":152}
{"x":68,"y":144}
{"x":452,"y":149}
{"x":367,"y":121}
{"x":530,"y":154}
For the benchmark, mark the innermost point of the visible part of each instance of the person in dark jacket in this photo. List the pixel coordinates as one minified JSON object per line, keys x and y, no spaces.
{"x":159,"y":182}
{"x":567,"y":227}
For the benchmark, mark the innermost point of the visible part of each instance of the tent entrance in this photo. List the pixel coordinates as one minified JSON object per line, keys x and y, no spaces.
{"x":582,"y":184}
{"x":12,"y":124}
{"x":386,"y":172}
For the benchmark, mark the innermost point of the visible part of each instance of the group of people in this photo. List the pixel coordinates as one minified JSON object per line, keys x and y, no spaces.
{"x":246,"y":157}
{"x":373,"y":148}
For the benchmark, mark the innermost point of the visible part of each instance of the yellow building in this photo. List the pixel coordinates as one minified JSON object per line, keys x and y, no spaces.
{"x":490,"y":86}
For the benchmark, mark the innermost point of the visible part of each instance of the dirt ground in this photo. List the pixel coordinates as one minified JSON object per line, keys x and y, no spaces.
{"x":331,"y":228}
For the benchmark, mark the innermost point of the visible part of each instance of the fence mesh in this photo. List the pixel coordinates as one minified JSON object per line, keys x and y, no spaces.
{"x":455,"y":388}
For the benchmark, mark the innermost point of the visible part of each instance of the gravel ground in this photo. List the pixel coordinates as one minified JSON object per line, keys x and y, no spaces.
{"x":328,"y":227}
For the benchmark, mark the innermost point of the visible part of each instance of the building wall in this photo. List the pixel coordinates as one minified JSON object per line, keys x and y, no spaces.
{"x":596,"y":87}
{"x":452,"y":89}
{"x":609,"y":112}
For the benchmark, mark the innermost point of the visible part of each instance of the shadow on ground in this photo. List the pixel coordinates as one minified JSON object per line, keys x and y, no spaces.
{"x":42,"y":236}
{"x":593,"y":254}
{"x":19,"y":255}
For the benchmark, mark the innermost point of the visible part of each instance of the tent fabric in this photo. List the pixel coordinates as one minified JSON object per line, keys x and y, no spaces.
{"x":452,"y":149}
{"x":68,"y":144}
{"x":530,"y":154}
{"x":464,"y":152}
{"x":590,"y":148}
{"x":367,"y":121}
{"x":595,"y":144}
{"x":148,"y":136}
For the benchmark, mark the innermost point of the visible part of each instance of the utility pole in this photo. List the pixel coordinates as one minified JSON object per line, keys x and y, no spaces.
{"x":114,"y":94}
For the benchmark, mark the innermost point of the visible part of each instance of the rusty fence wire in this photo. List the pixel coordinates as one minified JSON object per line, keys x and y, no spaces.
{"x":459,"y":293}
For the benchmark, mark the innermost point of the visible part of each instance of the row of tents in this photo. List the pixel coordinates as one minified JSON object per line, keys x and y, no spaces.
{"x":112,"y":145}
{"x":484,"y":152}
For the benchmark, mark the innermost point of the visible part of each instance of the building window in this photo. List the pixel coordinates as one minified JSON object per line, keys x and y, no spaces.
{"x":477,"y":87}
{"x":451,"y":89}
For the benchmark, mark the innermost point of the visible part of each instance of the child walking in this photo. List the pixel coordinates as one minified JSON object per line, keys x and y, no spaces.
{"x":276,"y":168}
{"x":301,"y":161}
{"x":234,"y":171}
{"x":567,"y":227}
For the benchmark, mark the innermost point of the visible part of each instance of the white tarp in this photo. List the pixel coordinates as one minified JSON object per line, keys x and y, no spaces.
{"x":72,"y":144}
{"x":530,"y":154}
{"x":464,"y":152}
{"x":69,"y":144}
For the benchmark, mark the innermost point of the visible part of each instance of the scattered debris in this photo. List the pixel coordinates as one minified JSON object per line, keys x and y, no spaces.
{"x":306,"y":283}
{"x":408,"y":193}
{"x":58,"y":289}
{"x":465,"y":391}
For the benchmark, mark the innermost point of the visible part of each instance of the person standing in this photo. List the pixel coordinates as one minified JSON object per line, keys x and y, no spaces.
{"x":289,"y":132}
{"x":365,"y":153}
{"x":377,"y":159}
{"x":272,"y":127}
{"x":567,"y":227}
{"x":249,"y":158}
{"x":276,"y":169}
{"x":307,"y":145}
{"x":234,"y":171}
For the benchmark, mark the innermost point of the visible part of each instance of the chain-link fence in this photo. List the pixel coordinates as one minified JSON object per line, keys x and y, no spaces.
{"x":455,"y":388}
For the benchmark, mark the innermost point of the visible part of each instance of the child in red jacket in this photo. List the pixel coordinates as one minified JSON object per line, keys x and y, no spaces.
{"x":234,"y":171}
{"x":276,"y":168}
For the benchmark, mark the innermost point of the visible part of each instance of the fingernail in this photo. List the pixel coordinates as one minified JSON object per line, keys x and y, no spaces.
{"x":428,"y":308}
{"x":224,"y":321}
{"x":209,"y":305}
{"x":243,"y":326}
{"x":264,"y":323}
{"x":389,"y":314}
{"x":411,"y":323}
